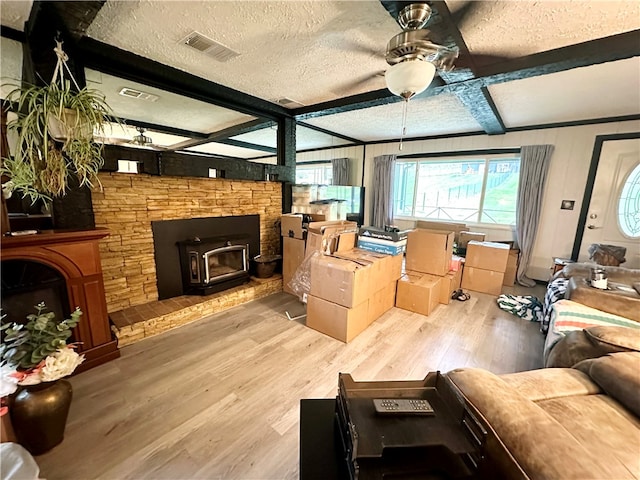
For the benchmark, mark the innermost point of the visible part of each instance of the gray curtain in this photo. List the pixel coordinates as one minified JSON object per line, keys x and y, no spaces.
{"x":383,"y":168}
{"x":534,"y":165}
{"x":340,"y":167}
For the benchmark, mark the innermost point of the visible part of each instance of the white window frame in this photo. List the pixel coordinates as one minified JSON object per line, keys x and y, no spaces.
{"x":466,"y":158}
{"x":319,"y":177}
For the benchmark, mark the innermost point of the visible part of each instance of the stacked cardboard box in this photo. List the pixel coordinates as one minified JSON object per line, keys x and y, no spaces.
{"x":465,"y":237}
{"x":380,"y":241}
{"x":350,"y":290}
{"x":485,"y":265}
{"x":432,"y":272}
{"x":295,"y":246}
{"x":512,"y":267}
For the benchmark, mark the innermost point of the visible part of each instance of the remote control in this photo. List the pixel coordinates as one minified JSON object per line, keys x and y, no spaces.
{"x":402,"y":406}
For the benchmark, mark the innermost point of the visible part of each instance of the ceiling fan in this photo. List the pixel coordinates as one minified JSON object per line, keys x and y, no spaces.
{"x":412,"y":55}
{"x":429,"y":44}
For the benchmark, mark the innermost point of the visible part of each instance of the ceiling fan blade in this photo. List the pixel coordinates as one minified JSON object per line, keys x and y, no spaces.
{"x":351,"y":46}
{"x":361,"y":81}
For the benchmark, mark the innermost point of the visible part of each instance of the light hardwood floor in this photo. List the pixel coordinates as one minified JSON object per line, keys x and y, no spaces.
{"x":219,"y":398}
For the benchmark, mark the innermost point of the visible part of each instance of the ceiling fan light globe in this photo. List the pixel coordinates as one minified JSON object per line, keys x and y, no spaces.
{"x":409,"y":78}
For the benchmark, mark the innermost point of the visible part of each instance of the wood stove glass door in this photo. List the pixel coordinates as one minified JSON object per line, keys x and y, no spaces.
{"x":225,"y":262}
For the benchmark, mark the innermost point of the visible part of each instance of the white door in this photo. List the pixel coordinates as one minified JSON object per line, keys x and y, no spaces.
{"x":611,"y":221}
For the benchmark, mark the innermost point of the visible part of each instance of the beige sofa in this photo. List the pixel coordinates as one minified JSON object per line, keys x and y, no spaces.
{"x":558,"y":423}
{"x":565,"y":348}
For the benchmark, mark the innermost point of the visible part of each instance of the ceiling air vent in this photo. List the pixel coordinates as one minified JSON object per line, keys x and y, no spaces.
{"x":132,"y":93}
{"x":210,"y":47}
{"x":288,"y":103}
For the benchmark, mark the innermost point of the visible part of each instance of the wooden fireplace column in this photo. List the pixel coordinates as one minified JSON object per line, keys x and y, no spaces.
{"x":75,"y":254}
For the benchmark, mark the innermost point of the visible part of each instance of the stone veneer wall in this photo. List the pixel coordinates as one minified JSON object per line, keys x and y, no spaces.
{"x":129,"y":203}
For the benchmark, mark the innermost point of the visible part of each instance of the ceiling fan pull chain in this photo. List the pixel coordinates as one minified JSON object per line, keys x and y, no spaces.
{"x":404,"y":121}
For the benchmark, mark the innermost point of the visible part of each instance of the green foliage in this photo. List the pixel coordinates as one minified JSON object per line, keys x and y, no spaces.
{"x":25,"y":345}
{"x":41,"y":166}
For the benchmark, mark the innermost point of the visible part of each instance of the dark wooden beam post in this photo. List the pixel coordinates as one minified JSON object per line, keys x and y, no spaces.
{"x":287,"y":159}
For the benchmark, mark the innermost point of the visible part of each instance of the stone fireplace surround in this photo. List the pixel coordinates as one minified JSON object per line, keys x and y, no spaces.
{"x":128,"y":204}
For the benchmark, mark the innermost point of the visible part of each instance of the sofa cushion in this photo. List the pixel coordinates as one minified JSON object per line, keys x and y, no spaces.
{"x":522,"y":435}
{"x":536,"y":385}
{"x":618,"y":374}
{"x":620,"y":338}
{"x":604,"y":427}
{"x":592,"y":342}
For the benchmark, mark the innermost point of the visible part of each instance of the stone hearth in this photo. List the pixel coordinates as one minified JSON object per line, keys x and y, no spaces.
{"x":141,"y":321}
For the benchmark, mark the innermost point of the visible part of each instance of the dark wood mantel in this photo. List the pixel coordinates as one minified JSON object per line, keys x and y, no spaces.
{"x":75,"y":254}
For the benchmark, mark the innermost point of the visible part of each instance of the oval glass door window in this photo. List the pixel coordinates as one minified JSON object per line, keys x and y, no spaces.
{"x":629,"y":205}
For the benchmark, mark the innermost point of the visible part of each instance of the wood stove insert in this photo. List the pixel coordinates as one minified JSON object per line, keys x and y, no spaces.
{"x":214,"y":264}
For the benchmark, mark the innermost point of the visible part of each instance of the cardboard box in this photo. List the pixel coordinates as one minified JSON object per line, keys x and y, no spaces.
{"x":484,"y":281}
{"x":465,"y":237}
{"x":512,"y":268}
{"x":429,"y":251}
{"x":291,"y":224}
{"x":327,"y":245}
{"x":292,"y":256}
{"x":487,"y":256}
{"x":337,"y":321}
{"x":381,"y":301}
{"x":329,"y":237}
{"x":446,"y":226}
{"x":449,"y":284}
{"x":382,"y":246}
{"x":349,"y":278}
{"x":418,"y":292}
{"x":381,"y":234}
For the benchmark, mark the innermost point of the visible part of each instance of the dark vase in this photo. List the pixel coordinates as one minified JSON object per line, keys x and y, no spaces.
{"x":39,"y":414}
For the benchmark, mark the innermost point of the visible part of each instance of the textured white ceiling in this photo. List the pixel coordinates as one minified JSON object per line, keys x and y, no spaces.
{"x":170,"y":109}
{"x":605,"y":90}
{"x":303,"y":50}
{"x":229,"y":150}
{"x":320,"y":50}
{"x":267,"y":137}
{"x":10,"y":65}
{"x":518,"y":28}
{"x":14,"y":13}
{"x":307,"y":138}
{"x":314,"y":51}
{"x":425,"y":116}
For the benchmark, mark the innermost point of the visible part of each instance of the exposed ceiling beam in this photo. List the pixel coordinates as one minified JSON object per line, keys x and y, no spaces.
{"x":481,"y":106}
{"x":121,"y":63}
{"x":13,"y":34}
{"x":160,"y":128}
{"x":77,"y":16}
{"x":251,"y":146}
{"x":329,"y":132}
{"x":224,"y":134}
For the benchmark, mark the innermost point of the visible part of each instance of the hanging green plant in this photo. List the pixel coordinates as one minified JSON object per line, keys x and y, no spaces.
{"x":55,"y":129}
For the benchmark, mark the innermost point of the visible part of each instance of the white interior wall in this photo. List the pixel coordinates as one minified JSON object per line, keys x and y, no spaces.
{"x":566,"y":180}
